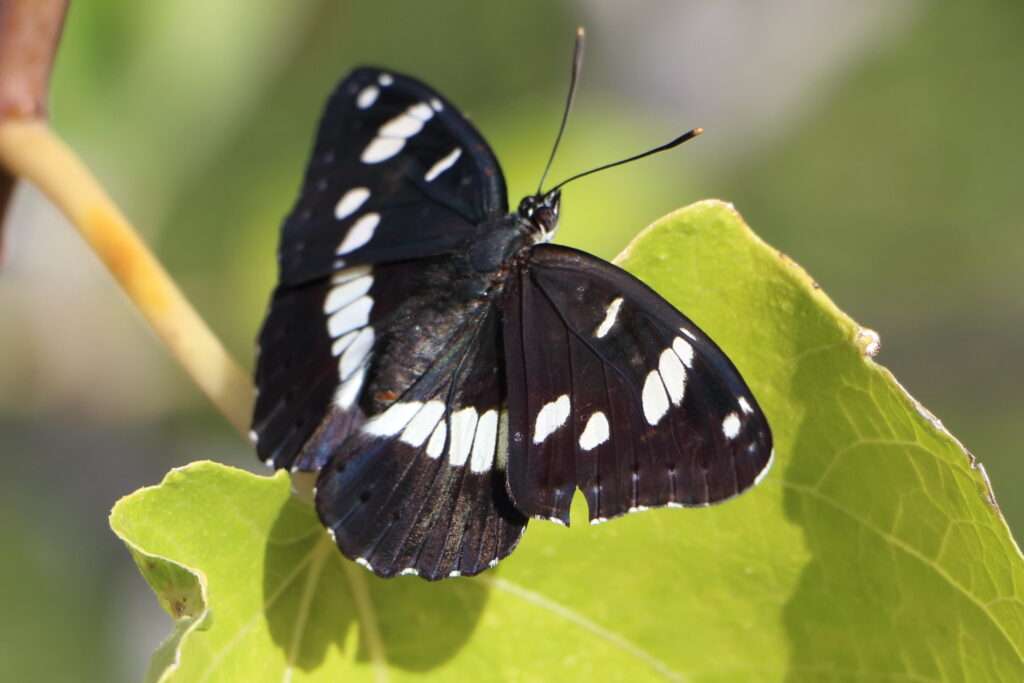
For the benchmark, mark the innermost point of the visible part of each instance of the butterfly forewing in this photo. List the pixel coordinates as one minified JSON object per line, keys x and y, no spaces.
{"x":397,"y":176}
{"x":420,"y":487}
{"x":613,"y":390}
{"x":396,"y":173}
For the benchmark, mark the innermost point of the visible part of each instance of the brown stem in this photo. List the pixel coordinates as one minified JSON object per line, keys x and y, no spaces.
{"x":29,"y":32}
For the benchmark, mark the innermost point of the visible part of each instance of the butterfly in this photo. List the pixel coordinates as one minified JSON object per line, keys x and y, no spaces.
{"x":451,"y":374}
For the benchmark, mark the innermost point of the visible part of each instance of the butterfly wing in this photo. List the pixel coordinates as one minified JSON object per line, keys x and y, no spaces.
{"x":420,"y":487}
{"x":396,"y":174}
{"x":611,"y":389}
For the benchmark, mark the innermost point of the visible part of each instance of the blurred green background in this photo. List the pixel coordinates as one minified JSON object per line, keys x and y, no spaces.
{"x":879,"y":144}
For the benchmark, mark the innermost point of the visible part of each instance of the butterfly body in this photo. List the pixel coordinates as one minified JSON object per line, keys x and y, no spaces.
{"x":451,"y":374}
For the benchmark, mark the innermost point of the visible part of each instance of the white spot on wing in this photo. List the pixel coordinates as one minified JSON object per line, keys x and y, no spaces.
{"x":394,"y":419}
{"x":344,"y":294}
{"x":351,"y":317}
{"x":355,"y":355}
{"x":423,"y":424}
{"x":364,"y":562}
{"x":745,"y":405}
{"x":391,"y":137}
{"x":350,"y":202}
{"x":436,"y":446}
{"x":684,"y":350}
{"x":402,"y":126}
{"x":348,"y":392}
{"x":501,"y":456}
{"x":688,"y":333}
{"x":360,"y":233}
{"x":673,"y":374}
{"x":254,"y":438}
{"x":731,"y":425}
{"x":385,"y":79}
{"x":654,"y":398}
{"x":595,"y":433}
{"x":550,"y":417}
{"x":443,"y":164}
{"x":484,"y":442}
{"x":463,"y":429}
{"x":367,"y":96}
{"x":409,"y":571}
{"x":342,"y":342}
{"x":609,"y":318}
{"x":422,"y":111}
{"x":436,"y":104}
{"x":381,"y":149}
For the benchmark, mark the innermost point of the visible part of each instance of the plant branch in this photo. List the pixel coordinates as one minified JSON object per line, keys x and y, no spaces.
{"x":29,"y":149}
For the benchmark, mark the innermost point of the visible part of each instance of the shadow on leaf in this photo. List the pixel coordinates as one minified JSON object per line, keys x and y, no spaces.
{"x":840,"y":607}
{"x":876,"y":491}
{"x":312,"y":599}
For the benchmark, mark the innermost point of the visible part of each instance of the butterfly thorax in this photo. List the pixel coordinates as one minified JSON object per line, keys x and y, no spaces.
{"x":499,"y":244}
{"x":454,"y":291}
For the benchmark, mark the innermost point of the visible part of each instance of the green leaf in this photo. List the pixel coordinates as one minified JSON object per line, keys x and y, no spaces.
{"x":873,"y":551}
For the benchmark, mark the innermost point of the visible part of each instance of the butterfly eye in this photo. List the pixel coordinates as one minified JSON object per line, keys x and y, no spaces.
{"x":527,"y":206}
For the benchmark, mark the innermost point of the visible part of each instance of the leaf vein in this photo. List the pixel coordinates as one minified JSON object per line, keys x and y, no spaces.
{"x":578,"y":619}
{"x":912,"y":552}
{"x":369,"y":628}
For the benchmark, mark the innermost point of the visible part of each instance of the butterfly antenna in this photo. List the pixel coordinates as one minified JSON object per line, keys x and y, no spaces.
{"x":688,"y":135}
{"x":577,"y":62}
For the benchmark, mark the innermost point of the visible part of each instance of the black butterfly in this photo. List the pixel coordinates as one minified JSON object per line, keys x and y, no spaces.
{"x":451,"y":374}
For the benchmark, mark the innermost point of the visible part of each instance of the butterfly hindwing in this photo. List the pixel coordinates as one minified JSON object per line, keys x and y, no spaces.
{"x":612,"y":390}
{"x":317,"y":352}
{"x":420,"y":487}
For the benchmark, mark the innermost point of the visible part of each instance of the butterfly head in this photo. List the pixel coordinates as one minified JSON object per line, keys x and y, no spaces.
{"x":540,"y":212}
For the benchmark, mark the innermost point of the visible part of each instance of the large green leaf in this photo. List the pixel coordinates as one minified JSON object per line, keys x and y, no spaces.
{"x":873,"y":551}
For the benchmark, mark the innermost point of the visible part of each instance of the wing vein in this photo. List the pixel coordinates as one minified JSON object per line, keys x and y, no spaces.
{"x":583,"y":340}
